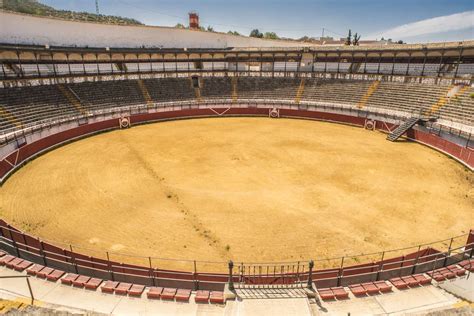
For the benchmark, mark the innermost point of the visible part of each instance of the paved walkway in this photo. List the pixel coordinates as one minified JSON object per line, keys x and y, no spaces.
{"x":74,"y":300}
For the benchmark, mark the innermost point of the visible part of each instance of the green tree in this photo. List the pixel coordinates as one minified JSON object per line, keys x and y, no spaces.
{"x":256,"y":33}
{"x":36,"y":8}
{"x":348,"y":39}
{"x":356,"y":39}
{"x":180,"y":26}
{"x":210,"y":28}
{"x":270,"y":35}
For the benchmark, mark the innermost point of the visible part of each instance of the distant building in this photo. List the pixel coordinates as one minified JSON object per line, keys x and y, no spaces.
{"x":193,"y":20}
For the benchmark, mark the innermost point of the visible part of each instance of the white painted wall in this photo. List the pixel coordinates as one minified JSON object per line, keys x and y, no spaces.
{"x":26,"y":29}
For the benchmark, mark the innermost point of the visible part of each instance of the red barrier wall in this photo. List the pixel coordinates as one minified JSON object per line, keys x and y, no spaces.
{"x":462,"y":153}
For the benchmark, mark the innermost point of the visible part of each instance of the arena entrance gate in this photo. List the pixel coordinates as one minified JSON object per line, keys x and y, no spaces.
{"x":275,"y":275}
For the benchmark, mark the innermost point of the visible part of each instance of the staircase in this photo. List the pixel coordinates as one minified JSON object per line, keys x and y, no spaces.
{"x":122,"y":67}
{"x":354,"y":67}
{"x":452,"y":92}
{"x":300,"y":91}
{"x":17,"y":70}
{"x":197,"y":93}
{"x":365,"y":98}
{"x":145,"y":93}
{"x":72,"y":98}
{"x":234,"y":89}
{"x":9,"y":117}
{"x":402,"y":129}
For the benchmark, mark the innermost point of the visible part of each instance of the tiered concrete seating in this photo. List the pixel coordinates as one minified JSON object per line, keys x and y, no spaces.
{"x":267,"y":88}
{"x":216,"y":88}
{"x":170,"y":89}
{"x":33,"y":105}
{"x":459,"y":108}
{"x":409,"y":98}
{"x":335,"y":91}
{"x":107,"y":94}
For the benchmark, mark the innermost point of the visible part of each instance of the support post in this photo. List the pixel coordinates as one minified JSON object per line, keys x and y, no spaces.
{"x":380,"y":266}
{"x":31,"y":291}
{"x":231,"y":280}
{"x":413,"y":270}
{"x":341,"y":272}
{"x":449,"y":252}
{"x":110,"y":266}
{"x":73,"y":259}
{"x":310,"y":275}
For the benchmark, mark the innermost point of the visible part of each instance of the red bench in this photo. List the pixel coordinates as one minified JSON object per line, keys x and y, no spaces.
{"x":23,"y":265}
{"x":122,"y":288}
{"x":326,"y":294}
{"x":154,"y":292}
{"x":93,"y":284}
{"x":456,"y":270}
{"x":217,"y":297}
{"x":357,"y":290}
{"x":168,"y":293}
{"x":35,"y":269}
{"x":340,"y":293}
{"x":437,"y":276}
{"x":399,"y":283}
{"x":410,"y":280}
{"x":44,"y":272}
{"x":69,"y":278}
{"x":11,"y":263}
{"x":370,"y":287}
{"x":5,"y":259}
{"x":467,"y":264}
{"x":182,"y":295}
{"x":448,"y":273}
{"x":136,"y":290}
{"x":80,"y":281}
{"x":383,"y":286}
{"x":421,"y":279}
{"x":109,"y":286}
{"x":442,"y":274}
{"x":55,"y":275}
{"x":202,"y":296}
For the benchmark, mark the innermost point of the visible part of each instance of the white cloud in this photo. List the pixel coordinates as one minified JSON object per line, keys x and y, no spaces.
{"x":440,"y":24}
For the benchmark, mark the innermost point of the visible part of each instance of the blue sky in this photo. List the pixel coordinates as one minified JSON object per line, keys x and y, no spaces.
{"x":409,"y":20}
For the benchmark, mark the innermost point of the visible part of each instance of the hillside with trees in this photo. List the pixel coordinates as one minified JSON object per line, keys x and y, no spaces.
{"x":33,"y":7}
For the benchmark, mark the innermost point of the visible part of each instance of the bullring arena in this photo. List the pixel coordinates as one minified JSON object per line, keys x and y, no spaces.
{"x":239,"y":178}
{"x":191,"y":188}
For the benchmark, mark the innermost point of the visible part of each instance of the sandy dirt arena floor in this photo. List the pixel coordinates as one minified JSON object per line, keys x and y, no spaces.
{"x":247,"y":189}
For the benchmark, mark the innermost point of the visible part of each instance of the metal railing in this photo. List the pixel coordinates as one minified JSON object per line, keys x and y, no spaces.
{"x":149,"y":270}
